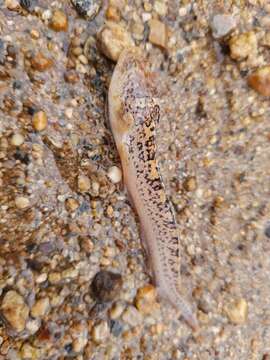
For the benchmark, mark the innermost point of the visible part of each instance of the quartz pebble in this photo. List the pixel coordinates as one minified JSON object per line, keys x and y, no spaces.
{"x":115,"y":174}
{"x":100,"y":332}
{"x":22,"y":202}
{"x":158,"y":33}
{"x":17,"y":139}
{"x":243,"y":45}
{"x":40,"y":308}
{"x":222,"y":25}
{"x":59,"y":21}
{"x":14,"y":310}
{"x":40,"y":62}
{"x":40,"y":120}
{"x":259,"y":80}
{"x":237,"y":311}
{"x":113,"y":39}
{"x":83,"y":183}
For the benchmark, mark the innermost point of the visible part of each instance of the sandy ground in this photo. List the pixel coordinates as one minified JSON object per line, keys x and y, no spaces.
{"x":65,"y":215}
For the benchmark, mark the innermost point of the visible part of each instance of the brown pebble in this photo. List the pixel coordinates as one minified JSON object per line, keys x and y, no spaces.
{"x":14,"y":310}
{"x":106,"y":285}
{"x":112,"y":13}
{"x":59,"y":21}
{"x":40,"y":121}
{"x":237,"y":311}
{"x":260,"y":80}
{"x":158,"y":33}
{"x":190,"y":184}
{"x":72,"y":204}
{"x":145,"y":300}
{"x":71,"y":76}
{"x":40,"y":62}
{"x":243,"y":45}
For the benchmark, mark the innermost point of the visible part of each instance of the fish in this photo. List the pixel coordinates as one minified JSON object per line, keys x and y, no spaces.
{"x":134,"y":114}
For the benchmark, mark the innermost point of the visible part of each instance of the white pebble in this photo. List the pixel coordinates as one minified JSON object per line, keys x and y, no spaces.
{"x":17,"y":139}
{"x":115,"y":174}
{"x":22,"y":202}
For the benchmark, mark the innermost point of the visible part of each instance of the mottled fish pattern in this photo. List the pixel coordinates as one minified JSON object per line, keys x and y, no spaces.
{"x":134,"y":114}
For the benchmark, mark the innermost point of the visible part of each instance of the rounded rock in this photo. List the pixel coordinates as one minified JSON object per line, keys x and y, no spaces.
{"x":222,"y":25}
{"x":83,"y":183}
{"x":40,"y":62}
{"x":17,"y":139}
{"x":100,"y":332}
{"x":40,"y":308}
{"x":22,"y":202}
{"x":145,"y":300}
{"x":243,"y":45}
{"x":113,"y":39}
{"x":59,"y":21}
{"x":260,"y":80}
{"x":14,"y":310}
{"x":106,"y":285}
{"x":115,"y":174}
{"x":40,"y":121}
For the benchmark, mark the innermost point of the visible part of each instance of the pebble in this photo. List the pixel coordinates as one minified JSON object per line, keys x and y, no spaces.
{"x":160,"y":7}
{"x":33,"y":325}
{"x":222,"y":25}
{"x":116,"y":310}
{"x":132,"y":316}
{"x":59,"y":21}
{"x":83,"y":183}
{"x":79,"y":333}
{"x":113,"y":39}
{"x":112,"y":14}
{"x":106,"y":285}
{"x":115,"y":174}
{"x":40,"y":62}
{"x":12,"y":4}
{"x":40,"y":308}
{"x":145,"y":300}
{"x":22,"y":202}
{"x":190,"y":184}
{"x":243,"y":45}
{"x":17,"y":139}
{"x":158,"y":33}
{"x":87,"y":8}
{"x":14,"y":310}
{"x":40,"y":120}
{"x":259,"y":80}
{"x":71,"y":204}
{"x":237,"y":311}
{"x":100,"y":332}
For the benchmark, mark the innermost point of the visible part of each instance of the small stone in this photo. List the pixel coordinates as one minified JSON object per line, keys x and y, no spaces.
{"x":40,"y":308}
{"x":190,"y":184}
{"x":71,"y":76}
{"x":33,"y":325}
{"x":145,"y":300}
{"x":222,"y":25}
{"x":87,"y":8}
{"x":17,"y":139}
{"x":12,"y":4}
{"x":115,"y":174}
{"x":160,"y":7}
{"x":14,"y":310}
{"x":59,"y":21}
{"x":132,"y":316}
{"x":34,"y":34}
{"x":106,"y":285}
{"x":158,"y":33}
{"x":72,"y":204}
{"x":40,"y":120}
{"x":237,"y":311}
{"x":112,"y":13}
{"x":22,"y":202}
{"x":55,"y":277}
{"x":116,"y":311}
{"x":79,"y":334}
{"x":113,"y":39}
{"x":259,"y":80}
{"x":100,"y":332}
{"x":29,"y":352}
{"x":83,"y":183}
{"x":243,"y":45}
{"x":267,"y":231}
{"x":40,"y":62}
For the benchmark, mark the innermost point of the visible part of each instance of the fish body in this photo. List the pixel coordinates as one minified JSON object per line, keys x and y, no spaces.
{"x":133,"y":114}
